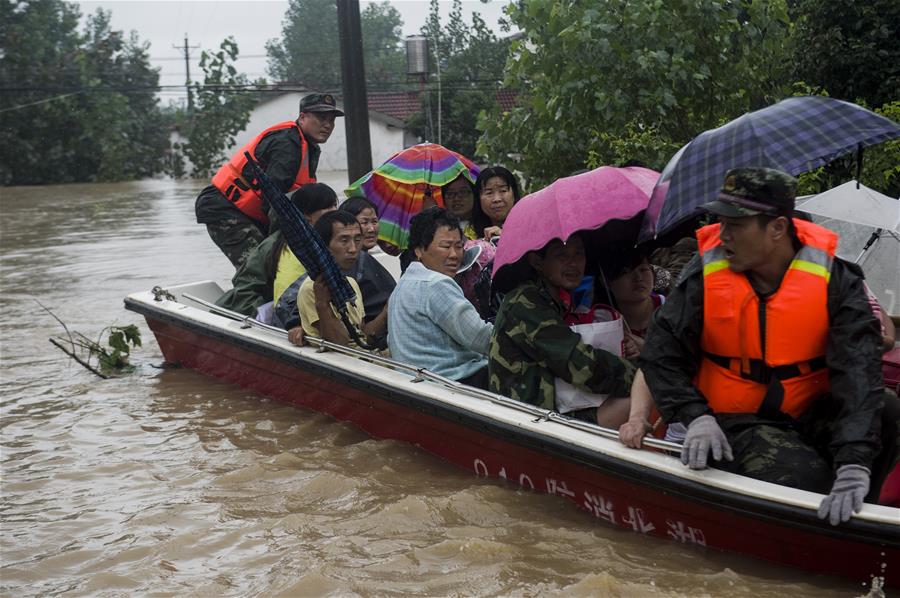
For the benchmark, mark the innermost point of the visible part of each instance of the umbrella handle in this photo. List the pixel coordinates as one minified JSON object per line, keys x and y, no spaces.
{"x":875,"y":236}
{"x":354,"y":333}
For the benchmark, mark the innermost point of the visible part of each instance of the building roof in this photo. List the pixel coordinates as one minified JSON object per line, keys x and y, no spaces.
{"x":403,"y":104}
{"x":399,"y":104}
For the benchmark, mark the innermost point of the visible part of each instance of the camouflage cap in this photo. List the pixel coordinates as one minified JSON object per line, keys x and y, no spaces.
{"x":752,"y":191}
{"x":320,"y":102}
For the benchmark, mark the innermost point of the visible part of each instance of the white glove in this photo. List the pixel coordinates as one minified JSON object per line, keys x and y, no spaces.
{"x":703,"y":435}
{"x":847,"y":493}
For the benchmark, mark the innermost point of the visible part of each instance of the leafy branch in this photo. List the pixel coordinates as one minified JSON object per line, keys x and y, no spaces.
{"x":91,"y":354}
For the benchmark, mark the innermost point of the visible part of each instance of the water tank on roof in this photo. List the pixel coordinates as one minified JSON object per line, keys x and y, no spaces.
{"x":416,"y":55}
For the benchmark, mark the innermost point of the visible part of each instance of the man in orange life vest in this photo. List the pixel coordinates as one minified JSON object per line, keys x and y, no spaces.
{"x":768,"y":351}
{"x":232,"y":209}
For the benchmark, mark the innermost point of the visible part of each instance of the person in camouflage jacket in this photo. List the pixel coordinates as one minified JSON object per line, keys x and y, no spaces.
{"x":532,"y":346}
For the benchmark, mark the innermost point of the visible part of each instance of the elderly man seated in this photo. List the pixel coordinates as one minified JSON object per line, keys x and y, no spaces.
{"x":431,"y":324}
{"x":342,"y":234}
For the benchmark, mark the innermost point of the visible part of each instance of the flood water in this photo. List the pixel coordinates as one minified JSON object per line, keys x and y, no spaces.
{"x":169,"y":482}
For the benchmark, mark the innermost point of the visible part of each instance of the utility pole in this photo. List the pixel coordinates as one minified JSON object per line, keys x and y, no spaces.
{"x":353,"y":82}
{"x":187,"y":70}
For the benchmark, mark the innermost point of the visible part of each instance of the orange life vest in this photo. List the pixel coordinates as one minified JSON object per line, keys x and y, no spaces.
{"x":765,"y":357}
{"x":245,"y":194}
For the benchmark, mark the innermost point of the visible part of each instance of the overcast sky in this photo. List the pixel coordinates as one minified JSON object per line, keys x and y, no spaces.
{"x":164,"y":24}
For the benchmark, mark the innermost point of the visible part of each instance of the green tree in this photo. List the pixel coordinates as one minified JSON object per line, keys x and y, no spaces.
{"x":308,"y":52}
{"x":471,"y":61}
{"x":75,"y":107}
{"x":132,"y":145}
{"x":222,"y":105}
{"x":613,"y":80}
{"x":849,"y":48}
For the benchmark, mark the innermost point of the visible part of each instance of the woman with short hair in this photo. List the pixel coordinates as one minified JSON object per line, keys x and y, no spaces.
{"x":497,"y":191}
{"x":431,"y":324}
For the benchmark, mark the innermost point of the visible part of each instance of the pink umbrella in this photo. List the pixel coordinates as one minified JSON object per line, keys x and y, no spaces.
{"x":582,"y":202}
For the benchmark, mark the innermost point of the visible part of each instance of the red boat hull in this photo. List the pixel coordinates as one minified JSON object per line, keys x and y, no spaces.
{"x":652,"y":502}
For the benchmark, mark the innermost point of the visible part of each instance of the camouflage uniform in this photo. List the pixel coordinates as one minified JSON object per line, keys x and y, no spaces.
{"x":236,"y":237}
{"x":251,"y":285}
{"x":532,"y":345}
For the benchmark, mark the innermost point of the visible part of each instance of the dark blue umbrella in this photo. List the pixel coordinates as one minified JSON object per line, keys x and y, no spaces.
{"x":795,"y":135}
{"x":308,"y":246}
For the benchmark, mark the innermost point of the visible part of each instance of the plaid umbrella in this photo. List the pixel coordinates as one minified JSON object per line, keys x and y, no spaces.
{"x":795,"y":135}
{"x":308,"y":246}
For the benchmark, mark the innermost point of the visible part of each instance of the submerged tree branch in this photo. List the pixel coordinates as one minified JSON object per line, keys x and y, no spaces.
{"x":72,"y":354}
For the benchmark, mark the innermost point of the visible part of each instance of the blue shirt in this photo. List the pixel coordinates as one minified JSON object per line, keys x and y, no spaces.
{"x":432,"y":325}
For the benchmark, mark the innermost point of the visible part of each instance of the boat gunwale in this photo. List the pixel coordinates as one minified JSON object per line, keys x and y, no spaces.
{"x":694,"y":491}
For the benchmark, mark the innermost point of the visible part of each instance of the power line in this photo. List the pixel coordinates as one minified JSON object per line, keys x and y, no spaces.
{"x":239,"y":56}
{"x":53,"y":99}
{"x":178,"y":90}
{"x":282,"y":86}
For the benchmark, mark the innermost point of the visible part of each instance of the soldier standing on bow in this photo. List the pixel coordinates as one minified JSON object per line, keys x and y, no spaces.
{"x":232,"y":209}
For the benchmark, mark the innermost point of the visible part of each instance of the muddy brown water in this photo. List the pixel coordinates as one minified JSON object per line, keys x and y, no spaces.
{"x":169,"y":482}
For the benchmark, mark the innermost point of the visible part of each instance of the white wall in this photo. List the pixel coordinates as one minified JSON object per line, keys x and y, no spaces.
{"x":385,"y":139}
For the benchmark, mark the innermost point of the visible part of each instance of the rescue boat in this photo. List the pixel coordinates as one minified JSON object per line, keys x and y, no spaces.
{"x":647,"y":491}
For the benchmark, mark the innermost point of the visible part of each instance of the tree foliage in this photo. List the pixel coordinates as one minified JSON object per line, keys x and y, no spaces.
{"x":849,"y":48}
{"x":75,"y":106}
{"x":222,"y":105}
{"x":471,"y":61}
{"x":308,"y":52}
{"x":609,"y":81}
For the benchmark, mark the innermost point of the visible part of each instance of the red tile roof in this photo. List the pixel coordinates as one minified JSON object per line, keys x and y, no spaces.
{"x":401,"y":105}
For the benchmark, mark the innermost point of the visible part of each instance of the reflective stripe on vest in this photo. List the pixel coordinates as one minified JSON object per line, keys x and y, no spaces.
{"x":754,"y":351}
{"x":244,"y":194}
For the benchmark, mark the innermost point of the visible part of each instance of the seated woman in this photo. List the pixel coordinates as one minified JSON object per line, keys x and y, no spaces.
{"x":629,"y":279}
{"x":374,"y":280}
{"x":497,"y":192}
{"x":342,"y":234}
{"x":431,"y":324}
{"x":630,"y":282}
{"x":407,"y":256}
{"x":532,"y":345}
{"x":284,"y":268}
{"x":459,"y":200}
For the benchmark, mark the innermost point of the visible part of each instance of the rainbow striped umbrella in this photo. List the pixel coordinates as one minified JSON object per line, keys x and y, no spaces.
{"x":399,"y":186}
